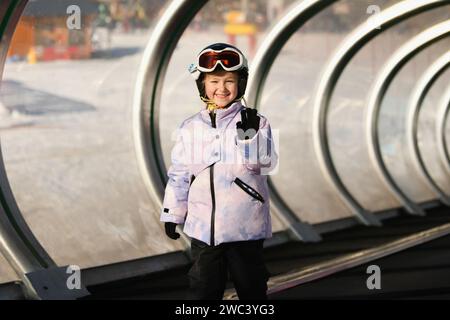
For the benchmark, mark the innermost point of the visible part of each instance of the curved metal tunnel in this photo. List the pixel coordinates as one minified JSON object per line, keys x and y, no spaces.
{"x":37,"y":245}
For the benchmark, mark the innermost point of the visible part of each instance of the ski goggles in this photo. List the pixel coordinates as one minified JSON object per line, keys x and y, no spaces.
{"x":230,"y":59}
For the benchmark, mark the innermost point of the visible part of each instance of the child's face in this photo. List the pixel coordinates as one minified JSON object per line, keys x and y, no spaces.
{"x":221,"y":87}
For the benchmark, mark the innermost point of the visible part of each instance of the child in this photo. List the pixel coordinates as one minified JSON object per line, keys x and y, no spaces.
{"x":217,"y":181}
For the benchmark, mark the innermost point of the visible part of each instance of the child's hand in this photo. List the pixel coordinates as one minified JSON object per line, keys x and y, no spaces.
{"x":248,"y":127}
{"x":170,"y":230}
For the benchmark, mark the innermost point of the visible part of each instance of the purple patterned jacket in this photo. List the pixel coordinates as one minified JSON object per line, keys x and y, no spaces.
{"x":217,"y":183}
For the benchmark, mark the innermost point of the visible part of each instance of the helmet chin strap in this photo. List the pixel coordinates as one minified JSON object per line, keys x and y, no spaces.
{"x":245,"y":101}
{"x":212,"y":106}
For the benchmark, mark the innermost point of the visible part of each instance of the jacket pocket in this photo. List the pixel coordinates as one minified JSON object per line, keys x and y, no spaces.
{"x":249,"y":190}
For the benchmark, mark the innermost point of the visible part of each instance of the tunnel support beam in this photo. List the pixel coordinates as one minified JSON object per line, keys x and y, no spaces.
{"x":442,"y":118}
{"x":333,"y":70}
{"x":419,"y":93}
{"x":147,"y":96}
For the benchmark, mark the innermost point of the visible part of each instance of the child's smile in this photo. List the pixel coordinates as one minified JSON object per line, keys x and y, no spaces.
{"x":221,"y":97}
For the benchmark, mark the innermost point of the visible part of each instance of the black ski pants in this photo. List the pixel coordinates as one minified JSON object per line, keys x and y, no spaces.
{"x":242,"y":260}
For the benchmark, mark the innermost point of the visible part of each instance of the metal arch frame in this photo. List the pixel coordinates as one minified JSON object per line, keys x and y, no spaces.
{"x":332,"y":71}
{"x":381,"y":84}
{"x":273,"y":42}
{"x":148,"y":91}
{"x":419,"y":93}
{"x":297,"y":15}
{"x":40,"y":276}
{"x":147,"y":96}
{"x":442,"y":117}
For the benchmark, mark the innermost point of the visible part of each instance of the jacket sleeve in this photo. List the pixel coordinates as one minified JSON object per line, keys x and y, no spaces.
{"x":177,"y":188}
{"x":259,"y":154}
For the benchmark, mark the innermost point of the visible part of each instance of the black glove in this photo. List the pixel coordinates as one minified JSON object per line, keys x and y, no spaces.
{"x":250,"y":120}
{"x":170,"y":230}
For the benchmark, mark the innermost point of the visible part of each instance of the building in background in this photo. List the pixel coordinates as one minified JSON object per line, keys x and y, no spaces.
{"x":42,"y":33}
{"x":133,"y":14}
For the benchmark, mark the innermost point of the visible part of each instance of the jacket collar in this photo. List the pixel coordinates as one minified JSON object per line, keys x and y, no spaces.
{"x":222,"y":114}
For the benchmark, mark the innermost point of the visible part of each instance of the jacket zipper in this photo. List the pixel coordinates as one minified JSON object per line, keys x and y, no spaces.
{"x":190,"y":183}
{"x":211,"y":185}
